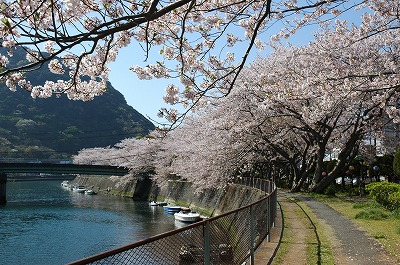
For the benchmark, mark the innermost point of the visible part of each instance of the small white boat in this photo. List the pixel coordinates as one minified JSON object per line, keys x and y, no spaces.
{"x":90,"y":192}
{"x":157,"y":203}
{"x":187,"y":216}
{"x":79,"y":189}
{"x":65,"y":184}
{"x":153,"y":203}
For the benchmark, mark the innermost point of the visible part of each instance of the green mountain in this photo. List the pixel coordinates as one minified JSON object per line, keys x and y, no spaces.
{"x":56,"y":127}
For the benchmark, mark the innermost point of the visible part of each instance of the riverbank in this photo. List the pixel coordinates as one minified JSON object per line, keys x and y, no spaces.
{"x":210,"y":202}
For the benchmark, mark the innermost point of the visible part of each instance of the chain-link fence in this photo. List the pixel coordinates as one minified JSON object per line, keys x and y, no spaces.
{"x":229,"y":238}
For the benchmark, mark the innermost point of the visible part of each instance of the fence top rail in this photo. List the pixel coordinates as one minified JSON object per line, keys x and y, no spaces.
{"x":169,"y":233}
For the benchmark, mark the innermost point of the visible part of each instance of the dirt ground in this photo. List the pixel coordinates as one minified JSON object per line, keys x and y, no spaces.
{"x":295,"y":237}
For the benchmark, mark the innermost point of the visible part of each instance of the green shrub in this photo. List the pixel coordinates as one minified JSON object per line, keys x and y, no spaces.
{"x":394,"y":201}
{"x":396,"y":214}
{"x":360,"y":205}
{"x":363,"y":205}
{"x":372,"y":214}
{"x":381,"y":192}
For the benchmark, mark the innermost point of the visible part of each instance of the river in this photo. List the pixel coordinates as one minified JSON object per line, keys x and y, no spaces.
{"x":44,"y":223}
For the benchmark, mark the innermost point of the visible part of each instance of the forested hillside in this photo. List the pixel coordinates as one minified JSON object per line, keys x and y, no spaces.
{"x":47,"y":128}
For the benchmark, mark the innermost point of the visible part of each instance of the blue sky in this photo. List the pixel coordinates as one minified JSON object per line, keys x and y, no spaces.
{"x":143,"y":95}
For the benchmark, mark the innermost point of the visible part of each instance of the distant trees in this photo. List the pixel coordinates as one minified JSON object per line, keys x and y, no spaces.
{"x":64,"y":126}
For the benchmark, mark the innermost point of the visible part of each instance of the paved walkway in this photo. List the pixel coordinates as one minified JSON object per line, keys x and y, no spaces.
{"x":351,"y":245}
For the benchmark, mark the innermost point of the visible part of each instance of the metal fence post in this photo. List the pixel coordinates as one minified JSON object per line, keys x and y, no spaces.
{"x":207,"y":243}
{"x":275,"y":202}
{"x":265,"y":186}
{"x":251,"y":235}
{"x":269,"y":219}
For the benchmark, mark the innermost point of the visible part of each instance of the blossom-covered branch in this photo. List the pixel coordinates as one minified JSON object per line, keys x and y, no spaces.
{"x":205,"y":44}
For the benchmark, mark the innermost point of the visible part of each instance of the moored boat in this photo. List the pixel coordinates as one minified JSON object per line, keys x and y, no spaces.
{"x":90,"y":192}
{"x":169,"y":208}
{"x":187,"y":216}
{"x":153,"y":203}
{"x":157,"y":203}
{"x":79,"y":189}
{"x":65,"y":184}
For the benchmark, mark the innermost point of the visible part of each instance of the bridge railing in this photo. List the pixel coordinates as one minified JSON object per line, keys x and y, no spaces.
{"x":34,"y":160}
{"x":230,"y":238}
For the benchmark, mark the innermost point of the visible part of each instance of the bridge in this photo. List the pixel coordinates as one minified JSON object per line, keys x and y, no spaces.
{"x":51,"y":168}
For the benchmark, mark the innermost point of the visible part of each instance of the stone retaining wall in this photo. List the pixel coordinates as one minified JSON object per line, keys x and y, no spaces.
{"x":210,"y":202}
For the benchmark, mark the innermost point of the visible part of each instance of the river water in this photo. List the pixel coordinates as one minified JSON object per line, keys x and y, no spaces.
{"x":44,"y":223}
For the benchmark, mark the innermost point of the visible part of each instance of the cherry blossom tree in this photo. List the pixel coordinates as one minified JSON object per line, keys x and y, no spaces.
{"x":326,"y":96}
{"x":202,"y":151}
{"x":94,"y":156}
{"x":299,"y":103}
{"x":136,"y":154}
{"x":205,"y":44}
{"x":291,"y":107}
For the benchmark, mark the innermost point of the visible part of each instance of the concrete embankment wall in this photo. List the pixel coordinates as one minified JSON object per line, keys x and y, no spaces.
{"x":210,"y":202}
{"x":120,"y":186}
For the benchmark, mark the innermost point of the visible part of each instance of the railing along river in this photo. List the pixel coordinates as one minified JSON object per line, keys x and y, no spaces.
{"x":229,"y":238}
